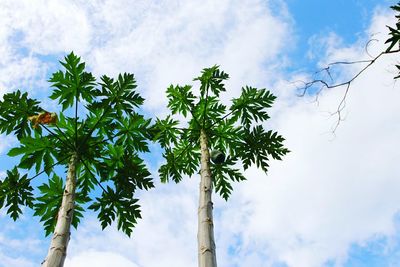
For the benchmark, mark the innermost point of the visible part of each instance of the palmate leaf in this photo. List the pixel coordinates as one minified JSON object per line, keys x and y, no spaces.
{"x":15,"y":109}
{"x":226,"y":136}
{"x":181,"y":99}
{"x":212,"y":79}
{"x":36,"y":151}
{"x":184,"y":158}
{"x":133,"y":133}
{"x":48,"y":204}
{"x":223,"y":175}
{"x":165,"y":131}
{"x":86,"y":180}
{"x":257,"y":145}
{"x":101,"y":122}
{"x":250,"y":106}
{"x":111,"y":205}
{"x":15,"y":191}
{"x":394,"y":33}
{"x":209,"y":111}
{"x":73,"y":83}
{"x":131,"y":175}
{"x":172,"y":168}
{"x":118,"y":95}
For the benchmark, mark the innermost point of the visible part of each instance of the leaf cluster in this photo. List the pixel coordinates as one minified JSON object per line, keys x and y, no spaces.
{"x":237,"y":131}
{"x":107,"y":140}
{"x":394,"y":35}
{"x":15,"y":109}
{"x":15,"y":191}
{"x":48,"y":203}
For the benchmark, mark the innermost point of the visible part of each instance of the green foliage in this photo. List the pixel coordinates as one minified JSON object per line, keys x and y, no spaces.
{"x":223,"y":175}
{"x":15,"y":109}
{"x":107,"y":142}
{"x":117,"y":96}
{"x":133,"y":132}
{"x":181,"y":99}
{"x":15,"y":190}
{"x":394,"y":33}
{"x":48,"y":204}
{"x":36,"y":151}
{"x":212,"y":79}
{"x":394,"y":36}
{"x":183,"y":159}
{"x":113,"y":205}
{"x":72,"y":84}
{"x":250,"y":106}
{"x":237,"y":131}
{"x":165,"y":131}
{"x":209,"y":111}
{"x":257,"y":145}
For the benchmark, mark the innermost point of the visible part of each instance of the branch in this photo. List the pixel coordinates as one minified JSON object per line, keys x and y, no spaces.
{"x":325,"y":85}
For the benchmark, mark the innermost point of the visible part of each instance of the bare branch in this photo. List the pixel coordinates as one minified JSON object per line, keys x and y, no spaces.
{"x":330,"y":85}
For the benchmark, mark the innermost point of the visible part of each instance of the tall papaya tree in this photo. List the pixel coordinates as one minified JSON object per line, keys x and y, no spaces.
{"x":235,"y":135}
{"x":97,"y":137}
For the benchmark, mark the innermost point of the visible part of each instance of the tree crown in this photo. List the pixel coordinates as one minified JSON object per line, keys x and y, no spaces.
{"x":236,"y":130}
{"x":107,"y":139}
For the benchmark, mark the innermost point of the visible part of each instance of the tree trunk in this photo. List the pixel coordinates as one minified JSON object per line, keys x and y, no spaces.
{"x":205,"y":234}
{"x":59,"y":243}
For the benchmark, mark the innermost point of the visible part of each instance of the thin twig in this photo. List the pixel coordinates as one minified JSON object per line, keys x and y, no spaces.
{"x":342,"y":104}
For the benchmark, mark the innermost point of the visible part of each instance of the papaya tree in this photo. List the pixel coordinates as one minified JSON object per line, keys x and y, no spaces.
{"x":97,"y":137}
{"x":235,"y":135}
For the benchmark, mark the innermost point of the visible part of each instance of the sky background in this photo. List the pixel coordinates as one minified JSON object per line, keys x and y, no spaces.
{"x":333,"y":201}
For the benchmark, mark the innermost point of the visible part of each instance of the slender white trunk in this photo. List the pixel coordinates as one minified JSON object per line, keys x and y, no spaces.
{"x":205,"y":234}
{"x":59,"y":242}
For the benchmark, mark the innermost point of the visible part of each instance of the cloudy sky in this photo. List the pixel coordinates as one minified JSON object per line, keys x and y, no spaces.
{"x":333,"y":201}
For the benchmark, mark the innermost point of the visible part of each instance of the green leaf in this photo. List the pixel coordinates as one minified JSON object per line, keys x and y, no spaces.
{"x":209,"y":111}
{"x":133,"y":133}
{"x":117,"y":96}
{"x":72,"y":84}
{"x":257,"y":145}
{"x":181,"y":99}
{"x":212,"y":79}
{"x":171,"y":169}
{"x":225,"y":136}
{"x":36,"y":152}
{"x":111,"y":206}
{"x":15,"y":190}
{"x":15,"y":109}
{"x":223,"y":175}
{"x":130,"y":175}
{"x":165,"y":131}
{"x":250,"y":106}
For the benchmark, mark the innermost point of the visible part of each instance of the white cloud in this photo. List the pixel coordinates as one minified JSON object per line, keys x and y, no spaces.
{"x":330,"y":192}
{"x":98,"y":259}
{"x":326,"y":195}
{"x":6,"y":142}
{"x":7,"y":261}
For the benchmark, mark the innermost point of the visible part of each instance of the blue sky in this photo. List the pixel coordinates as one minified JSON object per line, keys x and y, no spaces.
{"x":332,"y":202}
